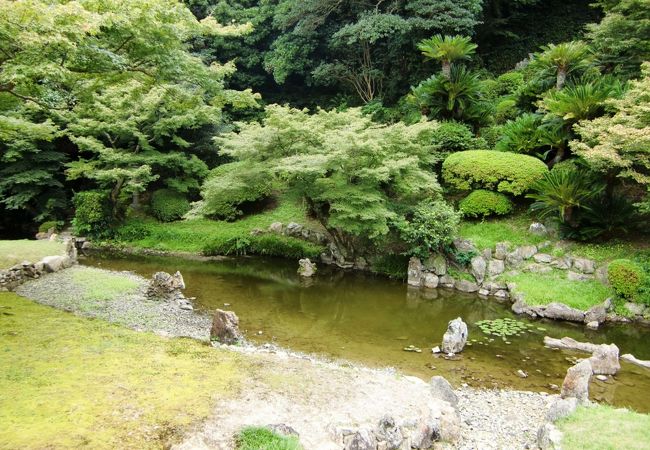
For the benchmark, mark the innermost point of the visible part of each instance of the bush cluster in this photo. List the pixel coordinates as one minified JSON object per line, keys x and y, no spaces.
{"x":626,"y":277}
{"x":263,"y":244}
{"x":93,"y":216}
{"x":168,"y":205}
{"x":507,"y":172}
{"x":455,"y":137}
{"x":432,"y":225}
{"x":46,"y":226}
{"x":482,"y":203}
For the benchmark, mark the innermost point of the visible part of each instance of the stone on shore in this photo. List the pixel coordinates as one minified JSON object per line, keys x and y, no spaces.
{"x":576,"y":382}
{"x":549,"y":437}
{"x":455,"y":338}
{"x":225,"y":327}
{"x":562,"y":407}
{"x":440,"y":388}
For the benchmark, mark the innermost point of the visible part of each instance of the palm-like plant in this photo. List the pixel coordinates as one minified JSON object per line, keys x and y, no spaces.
{"x":456,"y":97}
{"x":447,"y":49}
{"x":563,"y":59}
{"x":581,"y":102}
{"x":561,"y":192}
{"x":520,"y":135}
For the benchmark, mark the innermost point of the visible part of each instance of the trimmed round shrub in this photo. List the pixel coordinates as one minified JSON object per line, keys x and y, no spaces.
{"x":482,"y":203}
{"x":626,"y":277}
{"x":509,"y":82}
{"x":46,"y":226}
{"x":168,"y":205}
{"x":507,"y":172}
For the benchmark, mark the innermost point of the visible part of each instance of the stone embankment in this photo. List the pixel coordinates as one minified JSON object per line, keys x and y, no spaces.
{"x":13,"y":277}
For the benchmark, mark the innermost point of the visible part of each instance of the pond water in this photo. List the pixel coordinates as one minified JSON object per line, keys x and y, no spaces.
{"x":370,"y":320}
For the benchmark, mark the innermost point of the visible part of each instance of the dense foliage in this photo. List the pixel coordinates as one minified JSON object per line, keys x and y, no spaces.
{"x":625,"y":277}
{"x":168,"y":205}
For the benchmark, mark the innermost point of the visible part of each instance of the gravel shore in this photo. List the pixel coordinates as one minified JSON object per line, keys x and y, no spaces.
{"x":131,"y":308}
{"x":489,"y":419}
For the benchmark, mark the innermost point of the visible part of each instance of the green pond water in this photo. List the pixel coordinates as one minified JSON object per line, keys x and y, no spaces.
{"x":370,"y":320}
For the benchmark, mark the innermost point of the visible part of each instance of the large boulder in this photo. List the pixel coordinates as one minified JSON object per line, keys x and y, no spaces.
{"x":440,"y":388}
{"x":225,"y":327}
{"x":576,"y":381}
{"x":430,"y":280}
{"x":306,"y":268}
{"x":560,"y":311}
{"x":501,"y":250}
{"x":495,"y":267}
{"x":55,"y":263}
{"x":415,"y":272}
{"x":466,"y":286}
{"x":455,"y":338}
{"x":436,"y":264}
{"x":514,"y":258}
{"x":604,"y":360}
{"x":527,"y":251}
{"x":584,"y":265}
{"x":479,"y":266}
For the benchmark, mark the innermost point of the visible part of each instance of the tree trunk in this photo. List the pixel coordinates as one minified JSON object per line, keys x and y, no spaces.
{"x":561,"y":78}
{"x":446,"y":69}
{"x":559,"y":156}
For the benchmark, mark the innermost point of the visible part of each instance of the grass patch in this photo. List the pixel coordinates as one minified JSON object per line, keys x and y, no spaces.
{"x":99,"y":285}
{"x":513,"y":229}
{"x":68,"y":382}
{"x":15,"y":252}
{"x":605,"y":428}
{"x":258,"y":438}
{"x":608,"y":251}
{"x":196,"y":235}
{"x":542,"y":289}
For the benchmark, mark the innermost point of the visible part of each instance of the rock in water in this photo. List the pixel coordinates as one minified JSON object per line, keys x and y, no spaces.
{"x":440,"y":388}
{"x":415,"y":272}
{"x":576,"y":382}
{"x":225,"y":327}
{"x":455,"y":338}
{"x":605,"y":360}
{"x":306,"y":268}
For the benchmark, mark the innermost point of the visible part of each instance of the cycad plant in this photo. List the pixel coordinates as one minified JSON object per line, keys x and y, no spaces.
{"x":447,"y":49}
{"x":562,"y":192}
{"x":457,"y":97}
{"x":563,"y":59}
{"x":583,"y":101}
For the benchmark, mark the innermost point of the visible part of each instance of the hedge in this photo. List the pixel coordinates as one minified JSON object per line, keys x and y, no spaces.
{"x":482,"y":203}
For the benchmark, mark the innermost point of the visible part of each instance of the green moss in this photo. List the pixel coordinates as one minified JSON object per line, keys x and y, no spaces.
{"x":14,"y":252}
{"x":99,"y":285}
{"x":68,"y":382}
{"x":487,"y":233}
{"x":542,"y":289}
{"x":605,"y":428}
{"x":257,"y":438}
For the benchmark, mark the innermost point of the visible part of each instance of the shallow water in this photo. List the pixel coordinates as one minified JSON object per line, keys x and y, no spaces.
{"x":369,"y":319}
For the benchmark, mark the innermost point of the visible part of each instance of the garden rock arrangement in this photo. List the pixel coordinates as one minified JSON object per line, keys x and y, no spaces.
{"x":168,"y":287}
{"x":13,"y":277}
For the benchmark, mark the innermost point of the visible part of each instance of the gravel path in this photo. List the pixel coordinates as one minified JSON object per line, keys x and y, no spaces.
{"x":130,"y":308}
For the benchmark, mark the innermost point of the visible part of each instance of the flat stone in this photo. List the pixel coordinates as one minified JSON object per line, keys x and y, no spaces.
{"x":539,"y":268}
{"x":563,"y":263}
{"x":563,"y":312}
{"x":575,"y":276}
{"x":495,"y":267}
{"x":527,"y":251}
{"x":466,"y":286}
{"x":584,"y":265}
{"x":543,"y":258}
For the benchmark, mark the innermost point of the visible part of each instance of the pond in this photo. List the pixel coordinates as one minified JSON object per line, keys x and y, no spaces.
{"x":370,"y":320}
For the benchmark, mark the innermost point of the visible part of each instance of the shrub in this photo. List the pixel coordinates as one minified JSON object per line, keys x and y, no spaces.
{"x":93,"y":215}
{"x":263,"y":244}
{"x":46,"y":226}
{"x":506,"y":109}
{"x":231,"y":185}
{"x":625,"y":277}
{"x":133,"y":231}
{"x":168,"y":205}
{"x":434,"y":223}
{"x":455,"y":137}
{"x":482,"y":203}
{"x":504,"y":171}
{"x":509,"y":82}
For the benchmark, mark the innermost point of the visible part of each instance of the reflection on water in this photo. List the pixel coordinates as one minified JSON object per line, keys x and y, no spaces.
{"x":371,"y":319}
